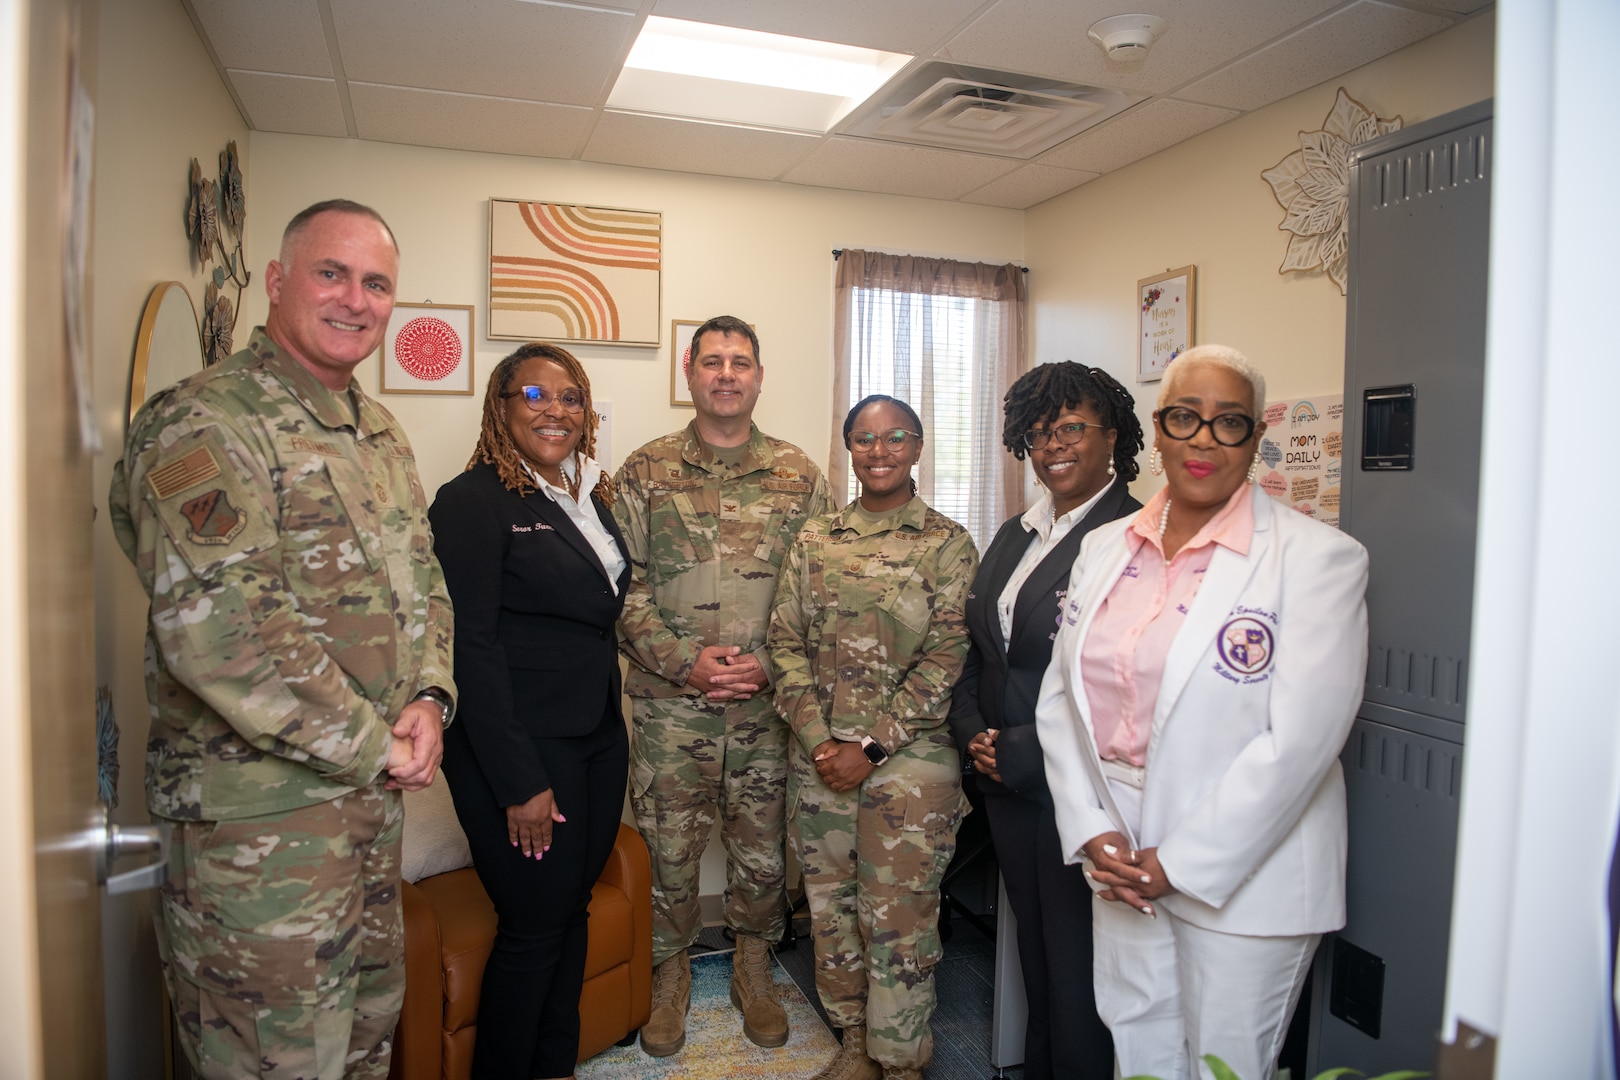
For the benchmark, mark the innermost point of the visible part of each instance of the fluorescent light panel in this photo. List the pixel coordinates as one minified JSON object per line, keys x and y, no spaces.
{"x":707,"y":72}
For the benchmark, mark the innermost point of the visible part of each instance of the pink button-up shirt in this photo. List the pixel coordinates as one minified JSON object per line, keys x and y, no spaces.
{"x":1122,"y":660}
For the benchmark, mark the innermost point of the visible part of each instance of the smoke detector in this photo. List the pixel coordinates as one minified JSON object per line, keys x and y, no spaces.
{"x":1126,"y":37}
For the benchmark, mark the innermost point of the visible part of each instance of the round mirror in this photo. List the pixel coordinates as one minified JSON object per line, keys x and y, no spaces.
{"x":168,"y":346}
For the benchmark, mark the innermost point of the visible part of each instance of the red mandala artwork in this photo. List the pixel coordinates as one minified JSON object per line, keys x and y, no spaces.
{"x":427,"y":348}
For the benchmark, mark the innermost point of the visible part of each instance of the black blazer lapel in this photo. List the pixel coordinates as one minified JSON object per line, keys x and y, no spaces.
{"x":547,"y":511}
{"x":1053,"y":572}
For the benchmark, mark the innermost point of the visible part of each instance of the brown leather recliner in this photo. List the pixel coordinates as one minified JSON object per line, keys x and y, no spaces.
{"x":449,"y":929}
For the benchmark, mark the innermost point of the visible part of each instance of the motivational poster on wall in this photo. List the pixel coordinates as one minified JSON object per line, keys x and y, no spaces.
{"x":1302,"y":455}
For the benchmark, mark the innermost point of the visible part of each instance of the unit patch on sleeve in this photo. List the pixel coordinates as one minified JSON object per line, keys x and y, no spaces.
{"x":213,"y":519}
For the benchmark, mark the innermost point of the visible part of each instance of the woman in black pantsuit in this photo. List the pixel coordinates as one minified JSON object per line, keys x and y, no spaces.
{"x":1080,"y":431}
{"x":538,"y":756}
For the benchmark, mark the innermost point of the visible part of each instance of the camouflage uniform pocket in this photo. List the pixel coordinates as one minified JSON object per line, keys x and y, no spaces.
{"x":325,"y":540}
{"x":910,"y":604}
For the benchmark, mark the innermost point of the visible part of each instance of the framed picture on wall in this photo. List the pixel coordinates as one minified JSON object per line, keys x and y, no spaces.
{"x":680,"y":349}
{"x":428,"y":350}
{"x":578,"y":274}
{"x":1165,"y":306}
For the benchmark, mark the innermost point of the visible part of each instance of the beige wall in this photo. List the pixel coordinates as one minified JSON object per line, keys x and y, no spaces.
{"x":758,"y":250}
{"x":1204,"y":202}
{"x":159,"y":104}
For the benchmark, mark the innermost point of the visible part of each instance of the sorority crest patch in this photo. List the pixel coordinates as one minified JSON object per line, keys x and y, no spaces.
{"x":1247,"y":645}
{"x":213,"y":519}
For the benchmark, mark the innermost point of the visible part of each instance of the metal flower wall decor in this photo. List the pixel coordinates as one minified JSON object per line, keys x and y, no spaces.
{"x":214,"y":209}
{"x":1313,"y":186}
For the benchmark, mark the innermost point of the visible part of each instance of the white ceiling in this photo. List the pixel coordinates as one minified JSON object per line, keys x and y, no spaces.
{"x":532,"y":78}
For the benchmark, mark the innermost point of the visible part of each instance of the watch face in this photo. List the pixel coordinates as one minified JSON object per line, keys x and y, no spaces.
{"x":874,"y":753}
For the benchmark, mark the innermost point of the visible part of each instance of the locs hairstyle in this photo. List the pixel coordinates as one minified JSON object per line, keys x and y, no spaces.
{"x":495,"y":444}
{"x":1042,"y":393}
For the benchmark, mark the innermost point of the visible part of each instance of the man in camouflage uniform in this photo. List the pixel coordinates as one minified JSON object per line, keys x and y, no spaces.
{"x":868,"y":635}
{"x":298,"y":666}
{"x":708,"y":513}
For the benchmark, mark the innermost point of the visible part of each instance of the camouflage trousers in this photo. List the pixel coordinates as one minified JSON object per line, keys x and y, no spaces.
{"x":282,"y":940}
{"x":693,"y":761}
{"x":873,"y":859}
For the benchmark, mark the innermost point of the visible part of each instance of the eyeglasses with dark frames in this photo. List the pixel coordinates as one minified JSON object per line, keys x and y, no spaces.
{"x":864,"y":442}
{"x":1067,"y":434}
{"x":539,"y":399}
{"x":1229,"y":429}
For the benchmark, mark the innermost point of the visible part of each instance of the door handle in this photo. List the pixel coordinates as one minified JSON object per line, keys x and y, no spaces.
{"x":111,"y":842}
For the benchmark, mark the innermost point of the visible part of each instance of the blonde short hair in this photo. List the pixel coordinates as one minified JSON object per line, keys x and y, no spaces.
{"x":1223,"y":356}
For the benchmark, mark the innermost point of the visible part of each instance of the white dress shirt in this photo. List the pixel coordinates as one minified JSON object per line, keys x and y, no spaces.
{"x":1048,"y":533}
{"x":584,"y":516}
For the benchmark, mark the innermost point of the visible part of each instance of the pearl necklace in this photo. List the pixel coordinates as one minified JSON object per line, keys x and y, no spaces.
{"x":1164,"y":520}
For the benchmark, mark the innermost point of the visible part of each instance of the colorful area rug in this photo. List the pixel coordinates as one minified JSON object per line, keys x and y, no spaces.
{"x":716,"y":1048}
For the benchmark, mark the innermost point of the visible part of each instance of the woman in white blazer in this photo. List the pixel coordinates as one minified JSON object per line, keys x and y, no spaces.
{"x":1203,"y":681}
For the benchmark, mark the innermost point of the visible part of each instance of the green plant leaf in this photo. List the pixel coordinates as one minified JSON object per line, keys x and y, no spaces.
{"x":1333,"y":1074}
{"x":1406,"y":1074}
{"x":1221,"y":1069}
{"x":219,"y":277}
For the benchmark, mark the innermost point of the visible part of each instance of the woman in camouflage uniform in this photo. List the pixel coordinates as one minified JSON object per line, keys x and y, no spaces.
{"x":868,"y":636}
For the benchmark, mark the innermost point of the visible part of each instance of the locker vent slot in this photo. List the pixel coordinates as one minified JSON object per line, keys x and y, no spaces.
{"x":1429,"y":170}
{"x":1426,"y":766}
{"x":1414,"y":677}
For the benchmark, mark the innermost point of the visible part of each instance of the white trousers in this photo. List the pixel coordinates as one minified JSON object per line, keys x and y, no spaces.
{"x":1171,"y":992}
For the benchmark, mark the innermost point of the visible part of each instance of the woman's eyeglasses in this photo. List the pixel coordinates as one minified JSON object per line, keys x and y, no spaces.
{"x":1229,"y":428}
{"x":1067,"y":434}
{"x":539,"y":399}
{"x":865,"y":442}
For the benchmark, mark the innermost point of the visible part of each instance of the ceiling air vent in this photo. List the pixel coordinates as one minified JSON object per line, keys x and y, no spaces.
{"x":985,"y":112}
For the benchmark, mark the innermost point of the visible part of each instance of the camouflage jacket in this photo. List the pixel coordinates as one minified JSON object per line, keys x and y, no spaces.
{"x":297,"y":606}
{"x":706,"y":542}
{"x":869,"y":632}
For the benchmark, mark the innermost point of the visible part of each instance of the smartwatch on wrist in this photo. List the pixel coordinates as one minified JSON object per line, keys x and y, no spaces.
{"x":873,"y":750}
{"x":441,"y":699}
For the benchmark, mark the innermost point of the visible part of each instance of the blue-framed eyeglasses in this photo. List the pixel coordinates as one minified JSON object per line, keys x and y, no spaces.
{"x":539,"y":399}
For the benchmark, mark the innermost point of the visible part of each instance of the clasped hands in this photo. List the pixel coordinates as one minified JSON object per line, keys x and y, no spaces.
{"x":416,"y":745}
{"x":982,"y":749}
{"x":842,"y":766}
{"x":1129,"y":875}
{"x":726,"y":673}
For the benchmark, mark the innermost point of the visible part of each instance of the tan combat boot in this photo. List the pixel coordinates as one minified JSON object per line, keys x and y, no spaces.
{"x":752,"y":991}
{"x":851,"y":1062}
{"x":665,"y":1030}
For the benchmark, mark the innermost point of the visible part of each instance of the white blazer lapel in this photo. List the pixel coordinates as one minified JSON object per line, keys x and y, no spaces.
{"x":1224,"y":581}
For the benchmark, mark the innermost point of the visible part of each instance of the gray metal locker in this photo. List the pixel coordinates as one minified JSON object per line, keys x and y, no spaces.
{"x":1413,"y":400}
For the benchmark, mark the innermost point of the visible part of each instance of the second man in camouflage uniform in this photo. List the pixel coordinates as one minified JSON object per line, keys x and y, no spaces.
{"x":708,"y":514}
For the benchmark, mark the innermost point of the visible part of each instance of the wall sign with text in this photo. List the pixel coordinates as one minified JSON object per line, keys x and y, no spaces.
{"x":1165,"y":304}
{"x":1302,"y":455}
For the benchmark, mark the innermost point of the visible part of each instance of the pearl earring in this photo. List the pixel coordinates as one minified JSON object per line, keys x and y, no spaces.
{"x":1254,"y":467}
{"x":1156,"y":463}
{"x":1111,"y":473}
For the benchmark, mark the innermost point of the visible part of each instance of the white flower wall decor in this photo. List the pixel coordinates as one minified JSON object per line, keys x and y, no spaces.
{"x":1313,"y":186}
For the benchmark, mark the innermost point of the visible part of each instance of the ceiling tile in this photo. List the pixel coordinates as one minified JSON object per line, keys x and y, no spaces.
{"x":285,"y":37}
{"x":654,"y":142}
{"x":1048,"y":37}
{"x":870,"y":165}
{"x":532,"y":52}
{"x":906,"y":26}
{"x":1356,"y":35}
{"x":1144,"y":130}
{"x":1024,"y":187}
{"x":467,"y":121}
{"x":292,"y":103}
{"x":1461,"y":7}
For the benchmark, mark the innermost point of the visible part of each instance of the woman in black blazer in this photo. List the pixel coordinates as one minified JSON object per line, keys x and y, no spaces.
{"x":1079,"y":428}
{"x":537,"y":758}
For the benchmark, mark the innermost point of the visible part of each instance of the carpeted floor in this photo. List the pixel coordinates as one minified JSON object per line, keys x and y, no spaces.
{"x":715,"y":1045}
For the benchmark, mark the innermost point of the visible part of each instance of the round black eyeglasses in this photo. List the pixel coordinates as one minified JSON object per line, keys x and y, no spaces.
{"x":1229,"y":428}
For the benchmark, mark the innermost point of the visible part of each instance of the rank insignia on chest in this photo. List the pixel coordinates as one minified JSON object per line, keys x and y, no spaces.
{"x":213,"y":519}
{"x":731,"y":509}
{"x":384,"y":496}
{"x":853,"y":566}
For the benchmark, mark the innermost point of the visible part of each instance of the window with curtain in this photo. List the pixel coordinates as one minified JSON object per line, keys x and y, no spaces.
{"x":947,"y":338}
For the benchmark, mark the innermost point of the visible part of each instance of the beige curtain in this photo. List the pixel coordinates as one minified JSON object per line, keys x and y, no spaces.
{"x":947,"y":338}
